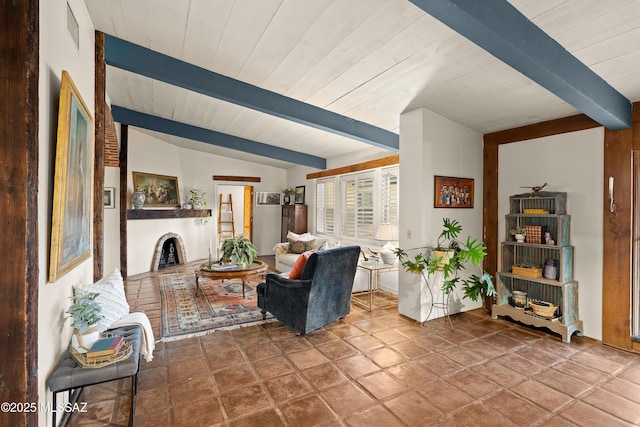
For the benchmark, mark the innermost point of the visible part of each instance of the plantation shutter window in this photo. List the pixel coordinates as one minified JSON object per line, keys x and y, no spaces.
{"x":325,"y":209}
{"x":357,"y":206}
{"x":389,"y":193}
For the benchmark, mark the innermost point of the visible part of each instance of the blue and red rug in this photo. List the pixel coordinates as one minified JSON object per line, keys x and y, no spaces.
{"x":186,"y":315}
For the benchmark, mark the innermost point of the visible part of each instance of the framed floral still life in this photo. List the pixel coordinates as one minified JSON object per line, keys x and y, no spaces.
{"x":451,"y":192}
{"x":159,"y":190}
{"x":73,"y":183}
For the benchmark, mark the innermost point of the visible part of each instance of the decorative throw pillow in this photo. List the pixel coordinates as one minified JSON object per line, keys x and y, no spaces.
{"x":300,"y":246}
{"x":111,"y":298}
{"x":296,"y":271}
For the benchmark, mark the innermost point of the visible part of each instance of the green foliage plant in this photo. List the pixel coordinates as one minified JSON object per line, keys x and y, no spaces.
{"x":469,"y":252}
{"x":197,"y":198}
{"x":518,"y":230}
{"x":85,"y":311}
{"x":289,"y":191}
{"x":239,"y":249}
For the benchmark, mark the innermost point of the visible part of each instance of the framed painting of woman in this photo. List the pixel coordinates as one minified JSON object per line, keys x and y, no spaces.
{"x":73,"y":183}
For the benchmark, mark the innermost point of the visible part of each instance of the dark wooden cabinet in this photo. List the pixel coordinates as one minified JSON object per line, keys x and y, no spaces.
{"x":294,"y":218}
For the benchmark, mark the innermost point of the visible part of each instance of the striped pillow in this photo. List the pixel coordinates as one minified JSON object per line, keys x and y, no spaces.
{"x":111,"y":298}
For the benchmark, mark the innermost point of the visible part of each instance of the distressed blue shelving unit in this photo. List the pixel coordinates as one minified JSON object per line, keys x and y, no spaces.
{"x":549,"y":211}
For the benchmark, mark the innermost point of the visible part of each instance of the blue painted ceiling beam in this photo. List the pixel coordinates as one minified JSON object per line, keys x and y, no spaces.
{"x":500,"y":29}
{"x":170,"y":127}
{"x":140,"y":60}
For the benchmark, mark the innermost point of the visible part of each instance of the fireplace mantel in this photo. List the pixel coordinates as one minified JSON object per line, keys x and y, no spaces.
{"x":167,"y":213}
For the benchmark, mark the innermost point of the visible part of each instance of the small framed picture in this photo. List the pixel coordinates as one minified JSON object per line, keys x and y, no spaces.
{"x":266,"y":198}
{"x":452,"y":192}
{"x":299,"y":196}
{"x":109,"y":198}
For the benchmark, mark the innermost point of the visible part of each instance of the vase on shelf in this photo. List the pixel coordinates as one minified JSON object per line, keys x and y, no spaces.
{"x":287,"y":199}
{"x":137,"y":199}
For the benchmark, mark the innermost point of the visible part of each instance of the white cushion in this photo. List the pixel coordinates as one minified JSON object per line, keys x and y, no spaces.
{"x":111,"y":298}
{"x":304,"y":237}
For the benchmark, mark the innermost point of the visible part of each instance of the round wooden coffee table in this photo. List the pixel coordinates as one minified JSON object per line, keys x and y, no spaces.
{"x":222,"y":271}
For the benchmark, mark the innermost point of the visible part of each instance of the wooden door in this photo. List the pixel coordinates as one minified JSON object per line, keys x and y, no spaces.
{"x":248,"y":212}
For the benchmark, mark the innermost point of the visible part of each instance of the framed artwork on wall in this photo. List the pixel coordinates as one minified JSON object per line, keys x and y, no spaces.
{"x":452,"y":192}
{"x":159,"y":190}
{"x":265,"y":198}
{"x":109,"y":198}
{"x":299,"y":196}
{"x":73,"y":183}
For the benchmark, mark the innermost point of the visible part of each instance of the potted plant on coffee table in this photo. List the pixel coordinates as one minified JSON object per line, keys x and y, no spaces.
{"x":85,"y":313}
{"x":452,"y":256}
{"x":239,"y":250}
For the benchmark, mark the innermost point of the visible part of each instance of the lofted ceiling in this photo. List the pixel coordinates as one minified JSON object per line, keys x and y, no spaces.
{"x":364,"y":60}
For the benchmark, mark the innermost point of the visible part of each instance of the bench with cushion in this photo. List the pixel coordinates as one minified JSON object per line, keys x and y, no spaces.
{"x":72,"y":377}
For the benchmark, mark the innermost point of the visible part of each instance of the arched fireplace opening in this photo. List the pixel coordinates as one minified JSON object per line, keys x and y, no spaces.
{"x":169,"y":252}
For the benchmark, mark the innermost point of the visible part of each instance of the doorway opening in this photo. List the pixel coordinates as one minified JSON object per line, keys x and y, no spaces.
{"x":242,"y":199}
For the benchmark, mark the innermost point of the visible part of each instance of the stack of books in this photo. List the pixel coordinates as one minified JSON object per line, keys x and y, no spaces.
{"x":105,"y":347}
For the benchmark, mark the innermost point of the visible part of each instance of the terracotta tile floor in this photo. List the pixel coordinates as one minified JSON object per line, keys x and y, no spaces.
{"x":371,"y":369}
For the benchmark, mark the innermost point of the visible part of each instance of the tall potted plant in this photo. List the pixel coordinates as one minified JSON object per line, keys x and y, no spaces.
{"x":451,"y":256}
{"x":239,"y":250}
{"x":85,"y":313}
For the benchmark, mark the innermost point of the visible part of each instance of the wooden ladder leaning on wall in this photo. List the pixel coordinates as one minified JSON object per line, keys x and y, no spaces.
{"x":226,"y":228}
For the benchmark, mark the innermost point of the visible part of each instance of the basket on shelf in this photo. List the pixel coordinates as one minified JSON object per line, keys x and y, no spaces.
{"x":543,"y":308}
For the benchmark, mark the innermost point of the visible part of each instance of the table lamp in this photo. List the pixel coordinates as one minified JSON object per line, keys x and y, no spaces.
{"x":388,"y":233}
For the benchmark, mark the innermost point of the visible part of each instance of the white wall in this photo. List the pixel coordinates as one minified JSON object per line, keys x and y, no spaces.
{"x":57,"y":53}
{"x":571,"y":163}
{"x":111,"y":225}
{"x":433,"y":145}
{"x":194,"y":169}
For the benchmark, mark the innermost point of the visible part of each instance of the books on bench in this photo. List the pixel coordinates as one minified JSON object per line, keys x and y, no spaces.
{"x":105,"y":347}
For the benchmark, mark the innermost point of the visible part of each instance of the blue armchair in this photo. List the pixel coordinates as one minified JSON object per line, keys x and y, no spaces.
{"x":321,"y":296}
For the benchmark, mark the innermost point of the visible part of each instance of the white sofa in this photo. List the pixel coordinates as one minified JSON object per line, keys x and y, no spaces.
{"x":285,"y":259}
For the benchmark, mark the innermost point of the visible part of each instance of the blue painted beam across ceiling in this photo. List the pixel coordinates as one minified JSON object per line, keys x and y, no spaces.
{"x":170,"y":127}
{"x":500,"y":29}
{"x":140,"y":60}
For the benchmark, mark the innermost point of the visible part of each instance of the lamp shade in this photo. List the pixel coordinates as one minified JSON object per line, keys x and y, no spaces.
{"x":387,"y":233}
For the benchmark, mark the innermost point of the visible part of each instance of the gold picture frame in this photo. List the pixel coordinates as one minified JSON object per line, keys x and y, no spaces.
{"x":160,"y":190}
{"x":72,"y":211}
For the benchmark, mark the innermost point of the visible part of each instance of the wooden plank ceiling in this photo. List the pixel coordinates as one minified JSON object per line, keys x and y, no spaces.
{"x":369,"y":60}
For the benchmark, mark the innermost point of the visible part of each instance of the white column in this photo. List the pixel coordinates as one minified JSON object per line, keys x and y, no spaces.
{"x":433,"y":145}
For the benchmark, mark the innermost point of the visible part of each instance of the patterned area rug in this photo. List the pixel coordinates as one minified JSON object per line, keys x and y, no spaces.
{"x":185,"y":315}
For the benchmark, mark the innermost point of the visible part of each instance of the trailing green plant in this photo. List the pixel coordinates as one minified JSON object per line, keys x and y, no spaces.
{"x":239,"y":249}
{"x":471,"y":251}
{"x":85,"y":311}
